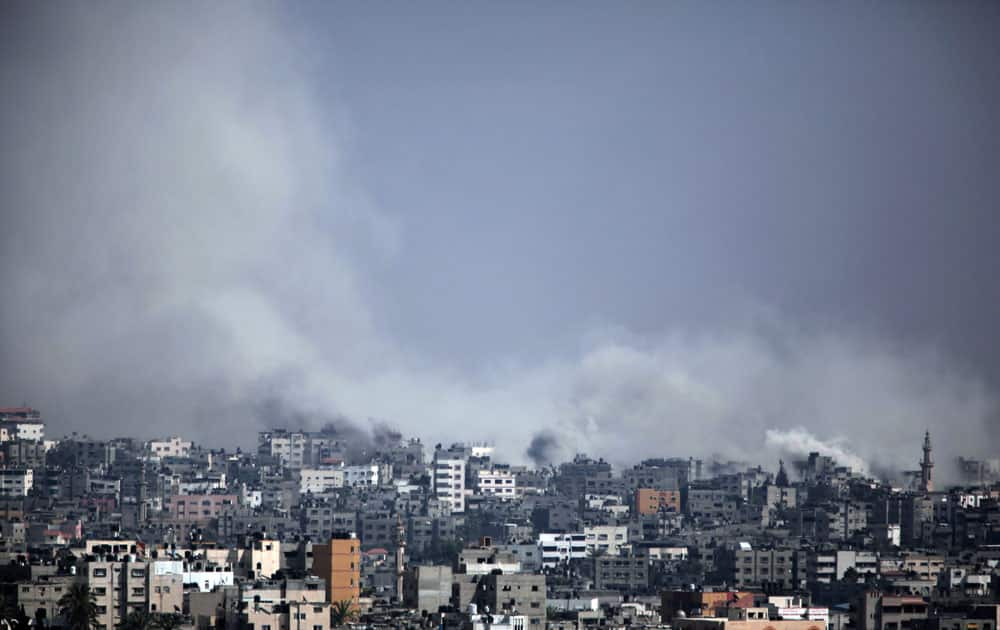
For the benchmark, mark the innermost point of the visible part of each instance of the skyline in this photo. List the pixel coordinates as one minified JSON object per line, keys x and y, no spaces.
{"x":685,"y":222}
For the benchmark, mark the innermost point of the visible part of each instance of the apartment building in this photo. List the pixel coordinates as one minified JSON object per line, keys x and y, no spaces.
{"x":170,"y":447}
{"x":559,"y":548}
{"x":448,"y":478}
{"x":629,"y":574}
{"x":499,"y":482}
{"x":199,"y":507}
{"x":119,"y":588}
{"x":606,"y":539}
{"x":746,"y":567}
{"x":320,"y":480}
{"x":338,"y":563}
{"x":362,"y":476}
{"x":16,"y":482}
{"x":522,"y":594}
{"x":653,"y":501}
{"x":21,"y":423}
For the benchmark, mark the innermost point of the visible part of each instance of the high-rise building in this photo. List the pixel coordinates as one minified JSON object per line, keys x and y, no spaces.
{"x":339,"y":563}
{"x":449,"y":479}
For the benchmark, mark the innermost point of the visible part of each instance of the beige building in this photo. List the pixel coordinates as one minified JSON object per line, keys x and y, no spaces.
{"x":43,"y":593}
{"x":746,"y":619}
{"x":119,"y":588}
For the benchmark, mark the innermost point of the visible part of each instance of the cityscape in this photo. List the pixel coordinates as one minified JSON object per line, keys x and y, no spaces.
{"x":499,"y":315}
{"x":327,"y":528}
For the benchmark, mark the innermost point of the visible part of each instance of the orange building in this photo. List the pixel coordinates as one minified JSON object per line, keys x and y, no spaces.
{"x":339,"y":564}
{"x":650,"y":501}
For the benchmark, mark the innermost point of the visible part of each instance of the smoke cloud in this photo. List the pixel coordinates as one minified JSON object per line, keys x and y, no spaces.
{"x":798,"y":442}
{"x":542,"y":448}
{"x":183,"y":240}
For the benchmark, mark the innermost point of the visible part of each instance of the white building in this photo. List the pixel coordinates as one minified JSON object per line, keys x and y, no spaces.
{"x":16,"y":482}
{"x":206,"y":578}
{"x":449,"y":481}
{"x":561,"y":548}
{"x":497,"y":482}
{"x":21,"y":423}
{"x":606,"y":539}
{"x":361,"y":476}
{"x":481,"y":450}
{"x":17,"y":428}
{"x":320,"y":480}
{"x":498,"y":622}
{"x":287,"y":446}
{"x":170,"y":447}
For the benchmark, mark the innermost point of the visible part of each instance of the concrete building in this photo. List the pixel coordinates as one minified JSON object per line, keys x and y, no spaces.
{"x":119,"y":588}
{"x":16,"y":482}
{"x":199,"y":507}
{"x":21,"y":423}
{"x":519,"y":594}
{"x":499,"y":482}
{"x":559,"y":549}
{"x":747,"y":619}
{"x":43,"y":594}
{"x":606,"y":539}
{"x":830,"y":566}
{"x":170,"y":447}
{"x":339,"y":564}
{"x":366,"y":476}
{"x":686,"y":603}
{"x":22,"y":454}
{"x":629,"y":574}
{"x":320,"y":480}
{"x":448,"y":478}
{"x":746,"y":567}
{"x":427,"y":588}
{"x":884,"y":612}
{"x":652,"y":501}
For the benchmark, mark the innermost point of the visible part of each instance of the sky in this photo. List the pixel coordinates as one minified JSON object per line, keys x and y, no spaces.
{"x":648,"y":229}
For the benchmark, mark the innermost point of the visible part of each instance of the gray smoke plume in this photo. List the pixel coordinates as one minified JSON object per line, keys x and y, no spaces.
{"x":542,"y":448}
{"x":357,"y":444}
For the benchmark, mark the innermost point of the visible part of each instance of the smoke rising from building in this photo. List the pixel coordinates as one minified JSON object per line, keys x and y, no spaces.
{"x":542,"y":448}
{"x":183,"y":239}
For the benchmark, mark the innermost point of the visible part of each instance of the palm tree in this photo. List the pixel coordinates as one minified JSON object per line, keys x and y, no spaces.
{"x":79,"y":608}
{"x":341,"y":612}
{"x":136,"y":620}
{"x":13,"y":615}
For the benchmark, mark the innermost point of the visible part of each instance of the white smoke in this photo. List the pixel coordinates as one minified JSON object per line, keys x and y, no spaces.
{"x":799,"y":442}
{"x":182,"y":240}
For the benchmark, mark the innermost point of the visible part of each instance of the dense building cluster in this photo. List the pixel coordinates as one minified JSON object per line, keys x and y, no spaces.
{"x":328,"y":528}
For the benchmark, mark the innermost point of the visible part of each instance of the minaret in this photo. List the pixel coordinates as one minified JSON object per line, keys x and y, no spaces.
{"x":400,"y":556}
{"x":782,"y":479}
{"x":927,"y":466}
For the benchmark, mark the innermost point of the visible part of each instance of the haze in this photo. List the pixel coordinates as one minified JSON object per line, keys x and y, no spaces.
{"x":633,"y":230}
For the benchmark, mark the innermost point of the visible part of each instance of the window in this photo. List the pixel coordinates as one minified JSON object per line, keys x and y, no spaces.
{"x":100,"y":573}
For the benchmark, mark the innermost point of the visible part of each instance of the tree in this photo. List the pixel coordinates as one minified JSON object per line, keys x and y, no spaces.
{"x":341,"y":612}
{"x":167,"y":621}
{"x":79,"y":608}
{"x":13,"y":616}
{"x":135,"y":620}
